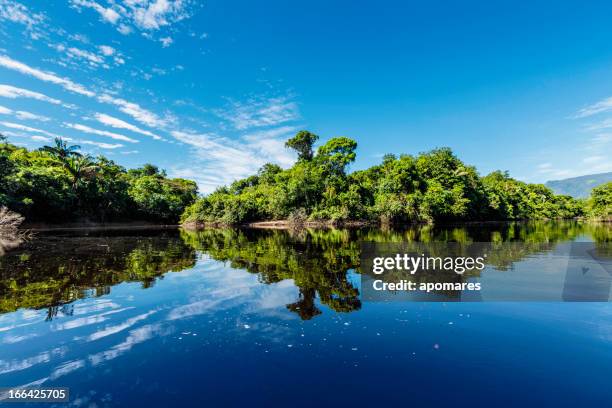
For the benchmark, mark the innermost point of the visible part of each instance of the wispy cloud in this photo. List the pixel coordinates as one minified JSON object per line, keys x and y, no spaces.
{"x":102,"y":56}
{"x":43,"y":357}
{"x":263,"y":123}
{"x":112,"y":135}
{"x":144,"y":15}
{"x":100,"y":144}
{"x":107,"y":331}
{"x":47,"y":137}
{"x":602,"y":106}
{"x":108,"y":14}
{"x":601,"y":125}
{"x":135,"y":337}
{"x":19,"y":126}
{"x":132,"y":109}
{"x":65,"y":83}
{"x":18,"y":13}
{"x":166,"y":41}
{"x":592,"y":153}
{"x":41,"y":139}
{"x":154,"y":14}
{"x":270,"y":144}
{"x":260,"y":111}
{"x":9,"y":91}
{"x":121,"y":124}
{"x":23,"y":115}
{"x":137,"y":112}
{"x":220,"y":160}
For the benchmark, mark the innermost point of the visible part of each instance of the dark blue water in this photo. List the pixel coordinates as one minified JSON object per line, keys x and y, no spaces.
{"x":213,"y":334}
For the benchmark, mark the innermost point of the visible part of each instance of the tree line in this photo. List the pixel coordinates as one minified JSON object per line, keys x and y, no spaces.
{"x":58,"y":183}
{"x":429,"y":187}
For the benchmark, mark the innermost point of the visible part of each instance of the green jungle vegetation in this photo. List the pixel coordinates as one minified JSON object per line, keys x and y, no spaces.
{"x":599,"y":205}
{"x":433,"y":186}
{"x":53,"y":271}
{"x":59,"y":184}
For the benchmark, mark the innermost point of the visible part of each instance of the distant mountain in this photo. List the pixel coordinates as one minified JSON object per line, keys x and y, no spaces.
{"x":579,"y":187}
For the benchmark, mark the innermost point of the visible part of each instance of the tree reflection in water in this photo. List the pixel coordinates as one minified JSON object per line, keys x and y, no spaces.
{"x":52,"y":271}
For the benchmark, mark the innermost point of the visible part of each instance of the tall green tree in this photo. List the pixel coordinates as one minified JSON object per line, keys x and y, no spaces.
{"x":62,"y":150}
{"x":302,"y":143}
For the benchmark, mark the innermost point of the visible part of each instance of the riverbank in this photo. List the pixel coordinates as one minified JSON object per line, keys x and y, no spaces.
{"x":290,"y":224}
{"x":42,"y":226}
{"x":269,"y":224}
{"x":282,"y":224}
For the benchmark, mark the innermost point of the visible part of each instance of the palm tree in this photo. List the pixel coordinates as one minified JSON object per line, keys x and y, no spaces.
{"x":80,"y":168}
{"x":62,"y":151}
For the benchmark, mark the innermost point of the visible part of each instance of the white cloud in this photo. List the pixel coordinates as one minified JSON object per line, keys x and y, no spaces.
{"x":23,"y":115}
{"x":101,"y":56}
{"x":135,"y":337}
{"x":220,"y":160}
{"x":13,"y":92}
{"x":18,"y":13}
{"x":108,"y":14}
{"x":259,"y":112}
{"x":593,"y":159}
{"x":604,"y":124}
{"x":217,"y":160}
{"x":129,"y":108}
{"x":44,"y":76}
{"x":151,"y":15}
{"x":107,"y":331}
{"x":87,"y":129}
{"x":92,"y":58}
{"x":120,"y":124}
{"x":602,"y":139}
{"x":166,"y":41}
{"x":270,"y":144}
{"x":100,"y":145}
{"x":124,"y":29}
{"x":107,"y":50}
{"x":41,"y":139}
{"x":545,"y":167}
{"x":593,"y":154}
{"x":18,"y":126}
{"x":66,"y":368}
{"x":145,"y":15}
{"x":135,"y":111}
{"x":599,"y":107}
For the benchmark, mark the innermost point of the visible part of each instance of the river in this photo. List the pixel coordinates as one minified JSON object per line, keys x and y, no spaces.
{"x":235,"y":317}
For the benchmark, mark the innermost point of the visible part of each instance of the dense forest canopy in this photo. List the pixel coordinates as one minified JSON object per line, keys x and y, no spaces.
{"x":59,"y":184}
{"x":433,"y":186}
{"x":600,"y":203}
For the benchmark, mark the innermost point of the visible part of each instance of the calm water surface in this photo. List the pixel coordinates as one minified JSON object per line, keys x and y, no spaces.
{"x":262,"y":318}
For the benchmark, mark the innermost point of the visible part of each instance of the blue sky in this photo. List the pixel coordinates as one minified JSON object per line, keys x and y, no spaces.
{"x":210,"y":90}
